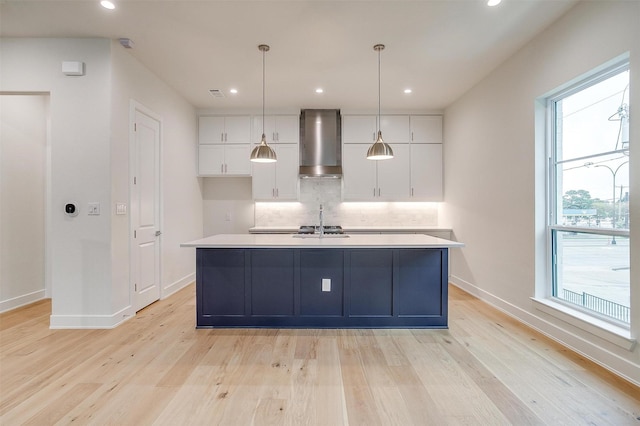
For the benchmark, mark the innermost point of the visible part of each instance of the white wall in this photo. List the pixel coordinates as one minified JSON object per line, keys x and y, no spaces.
{"x":181,"y":190}
{"x":495,"y":171}
{"x":79,"y":138}
{"x":23,"y":144}
{"x":89,"y":163}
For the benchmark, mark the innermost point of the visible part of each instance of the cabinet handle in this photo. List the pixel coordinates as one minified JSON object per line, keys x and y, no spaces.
{"x":412,"y":136}
{"x":225,"y":168}
{"x":277,"y":137}
{"x":378,"y":192}
{"x":222,"y":137}
{"x":277,"y":192}
{"x":374,"y":192}
{"x":412,"y":192}
{"x":221,"y":168}
{"x":273,"y":136}
{"x":225,"y":136}
{"x":373,"y":138}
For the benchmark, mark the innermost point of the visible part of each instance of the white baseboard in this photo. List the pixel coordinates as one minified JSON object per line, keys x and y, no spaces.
{"x":555,"y":331}
{"x":25,"y":299}
{"x":91,"y":321}
{"x":178,"y":285}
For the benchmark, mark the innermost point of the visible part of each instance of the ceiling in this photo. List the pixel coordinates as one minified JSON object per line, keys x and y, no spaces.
{"x":439,"y":49}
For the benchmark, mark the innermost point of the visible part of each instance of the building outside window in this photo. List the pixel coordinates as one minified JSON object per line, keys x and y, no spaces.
{"x":589,"y":195}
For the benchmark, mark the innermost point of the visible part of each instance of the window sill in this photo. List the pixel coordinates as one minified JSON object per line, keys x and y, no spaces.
{"x":619,"y":336}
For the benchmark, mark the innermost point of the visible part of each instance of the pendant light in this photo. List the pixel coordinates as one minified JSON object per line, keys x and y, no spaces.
{"x":379,"y":150}
{"x":263,"y":153}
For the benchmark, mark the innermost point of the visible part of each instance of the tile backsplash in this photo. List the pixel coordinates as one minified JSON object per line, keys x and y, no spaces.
{"x":316,"y":191}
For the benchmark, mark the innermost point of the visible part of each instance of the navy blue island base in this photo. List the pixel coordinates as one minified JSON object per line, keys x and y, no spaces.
{"x":283,"y":287}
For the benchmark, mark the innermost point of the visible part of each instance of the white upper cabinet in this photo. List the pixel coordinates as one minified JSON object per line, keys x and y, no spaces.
{"x":359,"y":176}
{"x":370,"y":180}
{"x":415,"y":172}
{"x":426,"y":128}
{"x":278,"y":128}
{"x":224,"y":145}
{"x":224,"y":160}
{"x":394,"y":175}
{"x":234,"y":129}
{"x":359,"y":129}
{"x":426,"y":172}
{"x":395,"y":128}
{"x":277,"y":181}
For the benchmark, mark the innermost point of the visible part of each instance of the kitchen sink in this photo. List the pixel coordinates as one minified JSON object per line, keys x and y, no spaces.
{"x":320,"y":236}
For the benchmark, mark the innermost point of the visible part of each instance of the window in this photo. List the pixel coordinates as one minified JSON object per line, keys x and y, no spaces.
{"x":589,"y":195}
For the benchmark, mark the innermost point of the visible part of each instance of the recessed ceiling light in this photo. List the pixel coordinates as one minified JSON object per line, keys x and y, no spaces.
{"x":407,"y":91}
{"x":493,"y":2}
{"x":234,"y":91}
{"x":107,"y":4}
{"x":319,"y":90}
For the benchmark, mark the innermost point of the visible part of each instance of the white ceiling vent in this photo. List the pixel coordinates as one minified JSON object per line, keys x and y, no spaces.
{"x":216,"y":93}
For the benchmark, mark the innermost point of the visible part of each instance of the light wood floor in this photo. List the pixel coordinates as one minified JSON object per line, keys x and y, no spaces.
{"x":158,"y":369}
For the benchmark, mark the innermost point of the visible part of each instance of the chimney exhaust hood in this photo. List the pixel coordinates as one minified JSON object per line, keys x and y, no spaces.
{"x":320,"y":143}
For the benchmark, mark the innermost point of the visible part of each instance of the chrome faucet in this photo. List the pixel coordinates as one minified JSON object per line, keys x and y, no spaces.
{"x":321,"y":221}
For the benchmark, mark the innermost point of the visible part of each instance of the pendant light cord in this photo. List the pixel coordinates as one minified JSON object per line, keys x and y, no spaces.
{"x":379,"y":90}
{"x":263,"y":80}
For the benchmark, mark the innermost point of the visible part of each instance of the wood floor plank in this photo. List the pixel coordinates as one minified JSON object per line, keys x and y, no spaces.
{"x":158,"y":369}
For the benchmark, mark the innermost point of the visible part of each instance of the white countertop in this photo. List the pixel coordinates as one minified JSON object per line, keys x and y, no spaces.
{"x":328,"y":241}
{"x":347,"y":229}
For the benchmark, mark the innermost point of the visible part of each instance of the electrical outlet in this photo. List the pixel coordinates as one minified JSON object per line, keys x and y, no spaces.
{"x":326,"y":284}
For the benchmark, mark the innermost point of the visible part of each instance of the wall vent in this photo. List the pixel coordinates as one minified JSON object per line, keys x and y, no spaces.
{"x":216,"y":93}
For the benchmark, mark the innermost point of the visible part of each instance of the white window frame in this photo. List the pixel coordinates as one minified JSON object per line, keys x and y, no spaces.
{"x":609,"y":329}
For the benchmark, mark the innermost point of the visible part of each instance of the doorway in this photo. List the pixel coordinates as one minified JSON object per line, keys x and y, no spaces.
{"x":24,"y":198}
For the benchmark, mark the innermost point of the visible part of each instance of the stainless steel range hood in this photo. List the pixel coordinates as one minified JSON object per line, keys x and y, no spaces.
{"x":320,"y":143}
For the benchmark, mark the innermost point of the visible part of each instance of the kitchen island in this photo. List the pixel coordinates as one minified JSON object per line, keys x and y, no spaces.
{"x":334,"y":281}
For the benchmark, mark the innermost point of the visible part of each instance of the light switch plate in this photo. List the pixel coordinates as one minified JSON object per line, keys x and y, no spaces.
{"x":94,"y":209}
{"x":326,"y":284}
{"x":121,"y":208}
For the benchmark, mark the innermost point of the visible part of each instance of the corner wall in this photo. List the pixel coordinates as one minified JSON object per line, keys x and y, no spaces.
{"x":182,"y":208}
{"x":495,"y":172}
{"x":89,"y":139}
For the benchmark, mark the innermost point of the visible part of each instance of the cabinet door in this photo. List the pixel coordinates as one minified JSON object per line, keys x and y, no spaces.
{"x":358,"y":173}
{"x":269,"y":129}
{"x":210,"y":129}
{"x":394,"y":183}
{"x":237,"y":129}
{"x":236,"y":158}
{"x":426,"y":128}
{"x":395,"y":128}
{"x":287,"y":128}
{"x":221,"y":282}
{"x":272,"y":280}
{"x":286,"y":171}
{"x":359,"y":129}
{"x":263,"y":180}
{"x":210,"y":160}
{"x":371,"y":289}
{"x":426,"y":172}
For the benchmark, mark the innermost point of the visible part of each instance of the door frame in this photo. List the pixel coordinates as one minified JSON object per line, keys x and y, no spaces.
{"x":135,"y":106}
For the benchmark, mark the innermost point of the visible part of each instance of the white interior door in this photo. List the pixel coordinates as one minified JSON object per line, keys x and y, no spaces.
{"x":145,"y":210}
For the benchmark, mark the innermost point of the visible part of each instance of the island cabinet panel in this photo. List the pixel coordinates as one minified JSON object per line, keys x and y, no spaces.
{"x":315,"y":266}
{"x":371,"y":282}
{"x":283,"y":287}
{"x":272,"y":275}
{"x":220,"y":288}
{"x":419,"y":277}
